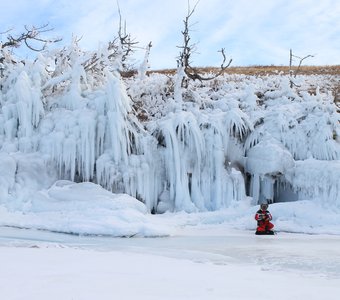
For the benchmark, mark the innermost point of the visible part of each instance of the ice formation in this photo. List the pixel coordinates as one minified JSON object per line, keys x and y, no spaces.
{"x":195,"y":149}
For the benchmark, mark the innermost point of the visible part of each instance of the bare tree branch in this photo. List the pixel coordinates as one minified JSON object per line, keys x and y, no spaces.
{"x":119,"y":49}
{"x":188,"y":49}
{"x":291,"y":72}
{"x":301,"y":60}
{"x":32,"y":34}
{"x":7,"y":31}
{"x":127,"y":44}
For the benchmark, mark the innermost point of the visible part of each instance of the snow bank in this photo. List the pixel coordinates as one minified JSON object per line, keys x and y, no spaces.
{"x":306,"y":216}
{"x":88,"y":209}
{"x":84,"y":208}
{"x":303,"y":216}
{"x":22,"y":176}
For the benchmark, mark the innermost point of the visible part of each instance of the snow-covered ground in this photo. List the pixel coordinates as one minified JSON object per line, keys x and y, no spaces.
{"x":84,"y":242}
{"x":88,"y":209}
{"x":205,"y":262}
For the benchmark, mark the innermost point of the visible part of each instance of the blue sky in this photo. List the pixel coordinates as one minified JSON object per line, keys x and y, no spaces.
{"x":253,"y":32}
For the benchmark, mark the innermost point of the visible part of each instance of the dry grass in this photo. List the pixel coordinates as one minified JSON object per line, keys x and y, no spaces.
{"x":265,"y":70}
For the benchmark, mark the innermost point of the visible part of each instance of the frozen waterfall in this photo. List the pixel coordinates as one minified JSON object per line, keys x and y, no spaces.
{"x":197,"y":149}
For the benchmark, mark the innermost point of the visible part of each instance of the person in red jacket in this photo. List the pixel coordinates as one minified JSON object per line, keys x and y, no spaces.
{"x":263,"y":218}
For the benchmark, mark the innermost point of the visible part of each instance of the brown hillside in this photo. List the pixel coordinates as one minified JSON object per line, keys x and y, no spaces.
{"x":265,"y":70}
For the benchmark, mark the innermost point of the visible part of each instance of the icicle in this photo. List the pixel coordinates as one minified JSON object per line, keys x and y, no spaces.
{"x":28,"y":104}
{"x":180,"y":76}
{"x":145,"y":64}
{"x":86,"y":151}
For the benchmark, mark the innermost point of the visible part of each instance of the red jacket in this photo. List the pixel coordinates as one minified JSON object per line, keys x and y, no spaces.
{"x":262,"y":216}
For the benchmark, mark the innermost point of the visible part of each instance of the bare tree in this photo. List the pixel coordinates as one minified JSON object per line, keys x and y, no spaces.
{"x":188,"y":49}
{"x":123,"y":45}
{"x":120,"y":49}
{"x":292,"y":74}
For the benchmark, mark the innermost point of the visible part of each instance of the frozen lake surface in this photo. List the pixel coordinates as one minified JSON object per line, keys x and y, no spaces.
{"x":309,"y":255}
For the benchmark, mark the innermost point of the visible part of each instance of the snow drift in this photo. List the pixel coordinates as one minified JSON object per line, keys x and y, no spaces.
{"x":85,"y":209}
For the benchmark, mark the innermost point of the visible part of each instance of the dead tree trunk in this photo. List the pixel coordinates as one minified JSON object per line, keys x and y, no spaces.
{"x":184,"y":59}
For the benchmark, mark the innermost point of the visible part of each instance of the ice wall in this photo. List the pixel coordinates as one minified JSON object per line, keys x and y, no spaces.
{"x":194,"y":146}
{"x":317,"y":180}
{"x":172,"y":148}
{"x":266,"y":162}
{"x":290,"y":128}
